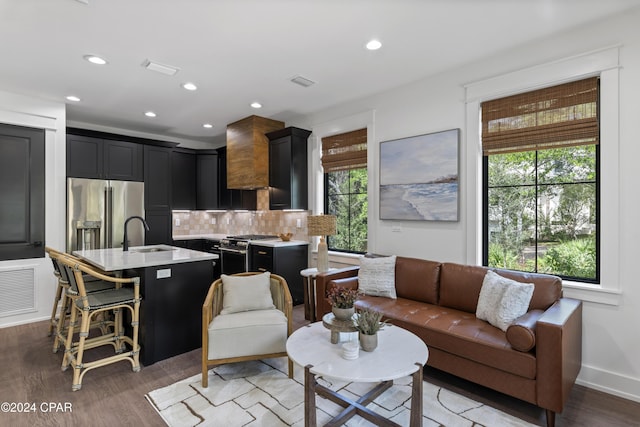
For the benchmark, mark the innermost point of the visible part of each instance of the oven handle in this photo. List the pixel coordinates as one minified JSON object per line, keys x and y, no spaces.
{"x":234,"y":251}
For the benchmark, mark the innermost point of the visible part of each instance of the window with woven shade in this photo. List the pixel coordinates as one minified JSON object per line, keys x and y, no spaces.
{"x":560,"y":116}
{"x":345,"y":151}
{"x":541,"y":210}
{"x":344,"y":161}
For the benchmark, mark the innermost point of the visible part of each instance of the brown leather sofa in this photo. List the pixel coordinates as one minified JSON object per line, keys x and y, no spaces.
{"x":537,"y":359}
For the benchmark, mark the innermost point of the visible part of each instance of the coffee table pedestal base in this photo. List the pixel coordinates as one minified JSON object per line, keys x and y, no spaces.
{"x":311,"y":388}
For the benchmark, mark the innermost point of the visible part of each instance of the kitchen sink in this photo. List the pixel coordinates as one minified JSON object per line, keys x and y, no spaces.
{"x":149,"y":249}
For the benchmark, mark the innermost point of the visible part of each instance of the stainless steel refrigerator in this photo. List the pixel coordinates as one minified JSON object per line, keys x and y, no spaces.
{"x":97,"y":210}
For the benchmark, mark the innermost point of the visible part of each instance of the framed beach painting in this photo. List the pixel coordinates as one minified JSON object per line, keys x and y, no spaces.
{"x":419,"y":177}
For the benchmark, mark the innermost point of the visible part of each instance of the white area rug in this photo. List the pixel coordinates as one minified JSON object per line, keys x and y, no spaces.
{"x":261,"y":394}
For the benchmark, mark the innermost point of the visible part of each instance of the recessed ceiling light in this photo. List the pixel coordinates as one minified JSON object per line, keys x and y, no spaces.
{"x":256,"y":105}
{"x":150,"y":114}
{"x":207,"y":125}
{"x":374,"y":45}
{"x":95,"y":59}
{"x":189,"y":86}
{"x":73,"y":98}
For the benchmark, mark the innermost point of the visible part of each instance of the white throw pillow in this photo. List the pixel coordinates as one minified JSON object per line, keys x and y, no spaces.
{"x":377,"y":276}
{"x":503,"y":300}
{"x":245,"y":293}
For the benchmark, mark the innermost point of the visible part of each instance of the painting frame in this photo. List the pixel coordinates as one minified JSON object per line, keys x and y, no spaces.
{"x":419,"y":177}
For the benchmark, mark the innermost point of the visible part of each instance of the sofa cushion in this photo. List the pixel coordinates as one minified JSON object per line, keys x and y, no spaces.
{"x":460,"y":286}
{"x":247,"y":333}
{"x":502,"y":300}
{"x":417,"y":279}
{"x":456,"y":332}
{"x":377,"y":276}
{"x":548,"y":288}
{"x":245,"y":293}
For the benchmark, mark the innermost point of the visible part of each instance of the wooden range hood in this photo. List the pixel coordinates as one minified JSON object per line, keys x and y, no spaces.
{"x":248,"y":152}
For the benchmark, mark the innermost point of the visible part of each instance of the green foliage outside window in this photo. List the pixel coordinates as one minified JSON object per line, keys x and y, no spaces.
{"x":347,"y":200}
{"x":542,"y":212}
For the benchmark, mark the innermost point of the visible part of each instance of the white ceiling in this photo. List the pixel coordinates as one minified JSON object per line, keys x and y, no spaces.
{"x":239,"y":51}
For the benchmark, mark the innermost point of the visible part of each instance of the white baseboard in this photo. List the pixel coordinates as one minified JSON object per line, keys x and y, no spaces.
{"x":610,"y":382}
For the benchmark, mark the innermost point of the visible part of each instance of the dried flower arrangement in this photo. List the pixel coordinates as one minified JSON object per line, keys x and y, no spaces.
{"x":340,"y":297}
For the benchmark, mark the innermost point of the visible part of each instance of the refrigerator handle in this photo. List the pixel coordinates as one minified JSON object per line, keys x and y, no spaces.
{"x":108,"y":212}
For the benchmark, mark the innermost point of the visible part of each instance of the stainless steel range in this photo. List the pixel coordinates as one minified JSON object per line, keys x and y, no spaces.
{"x":234,"y":252}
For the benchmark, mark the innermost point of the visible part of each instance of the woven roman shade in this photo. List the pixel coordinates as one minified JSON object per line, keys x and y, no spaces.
{"x":559,"y":116}
{"x":345,"y":151}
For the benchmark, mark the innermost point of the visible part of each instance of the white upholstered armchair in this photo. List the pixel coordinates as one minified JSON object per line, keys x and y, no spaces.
{"x":245,"y":316}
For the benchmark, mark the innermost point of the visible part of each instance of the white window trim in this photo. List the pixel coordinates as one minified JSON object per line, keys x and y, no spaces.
{"x":605,"y":63}
{"x":334,"y":127}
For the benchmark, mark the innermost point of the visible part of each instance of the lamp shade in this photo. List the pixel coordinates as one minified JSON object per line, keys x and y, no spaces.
{"x":321,"y":225}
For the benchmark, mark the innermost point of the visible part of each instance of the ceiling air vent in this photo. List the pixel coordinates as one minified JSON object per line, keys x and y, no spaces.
{"x":160,"y":68}
{"x":304,"y":82}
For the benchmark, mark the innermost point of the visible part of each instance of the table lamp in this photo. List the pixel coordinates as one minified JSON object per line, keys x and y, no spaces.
{"x":322,"y":225}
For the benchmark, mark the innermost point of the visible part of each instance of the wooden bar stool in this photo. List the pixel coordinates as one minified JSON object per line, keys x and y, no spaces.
{"x":88,"y":305}
{"x":64,"y":296}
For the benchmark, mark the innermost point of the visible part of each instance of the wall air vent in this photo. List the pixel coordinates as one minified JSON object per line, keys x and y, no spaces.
{"x":160,"y":68}
{"x":302,"y":81}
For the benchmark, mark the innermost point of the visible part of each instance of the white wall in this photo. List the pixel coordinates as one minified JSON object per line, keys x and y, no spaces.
{"x":29,"y":112}
{"x":611,"y":344}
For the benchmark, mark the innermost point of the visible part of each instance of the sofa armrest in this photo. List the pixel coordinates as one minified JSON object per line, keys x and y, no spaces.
{"x":558,"y":352}
{"x":322,"y":285}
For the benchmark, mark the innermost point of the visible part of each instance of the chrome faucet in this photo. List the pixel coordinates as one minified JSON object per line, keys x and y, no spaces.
{"x":125,"y":245}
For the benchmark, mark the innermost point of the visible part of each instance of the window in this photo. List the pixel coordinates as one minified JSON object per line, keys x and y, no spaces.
{"x":541,"y":182}
{"x":344,"y":160}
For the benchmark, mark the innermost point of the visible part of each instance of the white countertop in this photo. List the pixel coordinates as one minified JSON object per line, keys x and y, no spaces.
{"x":116,"y":259}
{"x":277,"y":243}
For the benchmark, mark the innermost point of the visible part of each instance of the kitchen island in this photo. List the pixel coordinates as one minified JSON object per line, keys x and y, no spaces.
{"x":174,"y":283}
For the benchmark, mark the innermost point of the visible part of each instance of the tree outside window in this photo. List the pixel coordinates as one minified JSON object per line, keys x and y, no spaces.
{"x":542,"y":212}
{"x":346,"y":194}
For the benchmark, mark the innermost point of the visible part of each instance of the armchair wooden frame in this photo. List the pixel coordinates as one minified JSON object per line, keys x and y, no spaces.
{"x":213,"y":305}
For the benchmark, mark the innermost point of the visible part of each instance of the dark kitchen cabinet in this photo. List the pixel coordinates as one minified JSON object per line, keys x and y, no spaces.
{"x":157,"y":194}
{"x":207,"y":172}
{"x":171,"y":308}
{"x":160,"y":231}
{"x":98,"y":158}
{"x":285,"y":261}
{"x":232,"y":199}
{"x":288,"y":177}
{"x":157,"y":177}
{"x":183,"y":179}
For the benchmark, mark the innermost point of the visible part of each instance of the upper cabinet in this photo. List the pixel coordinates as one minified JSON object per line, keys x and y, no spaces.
{"x":288,"y":176}
{"x":207,"y":182}
{"x":157,"y":177}
{"x":184,"y":179}
{"x":97,"y":158}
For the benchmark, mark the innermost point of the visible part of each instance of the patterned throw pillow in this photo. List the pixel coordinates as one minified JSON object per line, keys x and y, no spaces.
{"x":377,"y":276}
{"x":502,"y":300}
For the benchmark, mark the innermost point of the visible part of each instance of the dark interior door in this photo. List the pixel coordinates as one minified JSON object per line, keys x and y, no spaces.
{"x":21,"y":192}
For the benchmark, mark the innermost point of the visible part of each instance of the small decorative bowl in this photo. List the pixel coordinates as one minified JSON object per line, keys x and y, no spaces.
{"x":285,"y":237}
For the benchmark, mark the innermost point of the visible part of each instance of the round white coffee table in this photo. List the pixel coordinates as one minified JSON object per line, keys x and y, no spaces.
{"x":399,"y":353}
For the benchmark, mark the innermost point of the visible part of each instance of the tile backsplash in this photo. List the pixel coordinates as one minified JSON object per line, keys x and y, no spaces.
{"x":233,"y":222}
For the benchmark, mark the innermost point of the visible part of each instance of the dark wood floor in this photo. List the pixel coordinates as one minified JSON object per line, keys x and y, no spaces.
{"x":114,"y":395}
